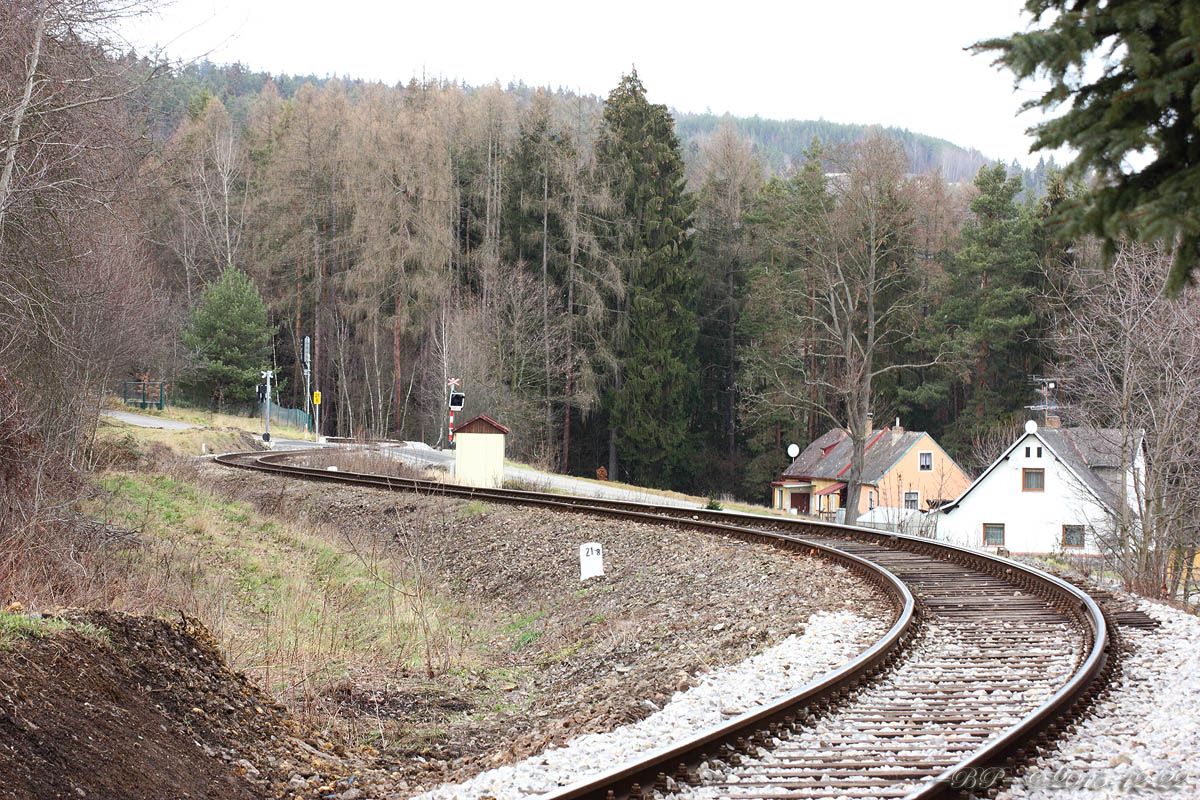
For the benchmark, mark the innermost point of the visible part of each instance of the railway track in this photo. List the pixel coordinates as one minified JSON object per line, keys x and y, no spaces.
{"x":985,"y":662}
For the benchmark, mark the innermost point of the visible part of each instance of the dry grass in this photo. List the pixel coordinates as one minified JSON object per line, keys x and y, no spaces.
{"x":373,"y":460}
{"x":298,"y":607}
{"x":119,"y":444}
{"x":211,"y":419}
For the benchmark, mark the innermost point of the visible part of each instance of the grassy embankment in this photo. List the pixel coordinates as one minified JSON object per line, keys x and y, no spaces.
{"x":15,"y":626}
{"x":303,"y":608}
{"x":214,"y":433}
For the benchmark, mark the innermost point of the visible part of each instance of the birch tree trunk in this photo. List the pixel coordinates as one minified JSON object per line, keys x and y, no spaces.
{"x":14,"y":134}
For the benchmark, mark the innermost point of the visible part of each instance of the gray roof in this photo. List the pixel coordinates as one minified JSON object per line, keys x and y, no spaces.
{"x":828,"y":457}
{"x":1093,"y":454}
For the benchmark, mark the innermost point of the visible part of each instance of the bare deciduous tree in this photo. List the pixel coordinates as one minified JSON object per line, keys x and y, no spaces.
{"x":1130,"y":360}
{"x":852,"y":300}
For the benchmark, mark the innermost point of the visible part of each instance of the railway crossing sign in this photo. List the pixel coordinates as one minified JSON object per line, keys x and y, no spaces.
{"x":455,"y":403}
{"x":265,"y":397}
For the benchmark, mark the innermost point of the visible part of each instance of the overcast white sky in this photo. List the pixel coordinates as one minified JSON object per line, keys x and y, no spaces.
{"x":874,"y":61}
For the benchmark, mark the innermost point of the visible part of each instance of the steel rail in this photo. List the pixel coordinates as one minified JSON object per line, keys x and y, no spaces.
{"x":1006,"y":751}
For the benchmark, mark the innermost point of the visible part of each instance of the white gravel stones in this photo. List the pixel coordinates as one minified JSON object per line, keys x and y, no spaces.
{"x":902,"y":719}
{"x":1144,"y":738}
{"x":828,"y":641}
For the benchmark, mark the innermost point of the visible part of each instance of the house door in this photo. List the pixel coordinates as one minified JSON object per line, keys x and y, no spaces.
{"x":800,"y":501}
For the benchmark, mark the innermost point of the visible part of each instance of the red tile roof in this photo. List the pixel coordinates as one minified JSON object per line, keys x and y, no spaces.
{"x":483,"y":421}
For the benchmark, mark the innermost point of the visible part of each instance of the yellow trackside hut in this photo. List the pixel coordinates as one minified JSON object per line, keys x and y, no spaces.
{"x":479,"y":452}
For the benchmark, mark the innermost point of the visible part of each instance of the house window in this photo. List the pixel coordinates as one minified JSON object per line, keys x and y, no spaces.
{"x":1039,"y":452}
{"x":1072,"y":536}
{"x":870,"y":500}
{"x":911,"y":499}
{"x":1033,"y":480}
{"x":925,"y":462}
{"x":1027,"y":452}
{"x":993,"y":534}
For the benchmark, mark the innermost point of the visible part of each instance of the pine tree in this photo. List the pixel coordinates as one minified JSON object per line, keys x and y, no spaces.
{"x":652,"y":406}
{"x":229,"y":336}
{"x":1143,"y":100}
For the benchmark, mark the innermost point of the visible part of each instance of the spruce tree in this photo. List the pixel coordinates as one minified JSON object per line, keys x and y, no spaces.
{"x":990,"y":309}
{"x":1144,"y":100}
{"x":229,"y":337}
{"x":653,"y":403}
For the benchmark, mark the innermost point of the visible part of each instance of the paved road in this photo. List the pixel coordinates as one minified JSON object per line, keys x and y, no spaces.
{"x":147,"y":421}
{"x":421,"y":455}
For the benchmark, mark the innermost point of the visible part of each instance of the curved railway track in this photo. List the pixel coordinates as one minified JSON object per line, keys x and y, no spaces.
{"x":985,"y":662}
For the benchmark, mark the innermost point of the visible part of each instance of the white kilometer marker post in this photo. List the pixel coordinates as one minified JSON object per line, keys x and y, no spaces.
{"x":591,"y":561}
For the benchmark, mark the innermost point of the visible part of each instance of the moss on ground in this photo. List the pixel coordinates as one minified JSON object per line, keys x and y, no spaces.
{"x":17,"y":626}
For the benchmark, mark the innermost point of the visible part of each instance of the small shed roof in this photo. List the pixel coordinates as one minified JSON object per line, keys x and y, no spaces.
{"x":481,"y":424}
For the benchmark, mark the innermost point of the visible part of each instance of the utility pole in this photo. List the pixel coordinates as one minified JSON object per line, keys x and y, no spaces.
{"x":266,"y":398}
{"x":455,"y":403}
{"x":306,"y":360}
{"x":316,"y":401}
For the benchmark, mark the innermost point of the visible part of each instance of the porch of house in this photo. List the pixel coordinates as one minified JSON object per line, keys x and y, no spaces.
{"x":816,"y":499}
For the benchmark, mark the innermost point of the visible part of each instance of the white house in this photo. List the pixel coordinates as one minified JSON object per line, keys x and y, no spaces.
{"x":1054,"y":490}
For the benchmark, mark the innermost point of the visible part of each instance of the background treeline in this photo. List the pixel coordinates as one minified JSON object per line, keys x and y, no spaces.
{"x":675,"y":311}
{"x":602,"y":276}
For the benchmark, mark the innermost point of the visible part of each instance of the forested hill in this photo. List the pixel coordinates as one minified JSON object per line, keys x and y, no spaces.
{"x":781,"y":143}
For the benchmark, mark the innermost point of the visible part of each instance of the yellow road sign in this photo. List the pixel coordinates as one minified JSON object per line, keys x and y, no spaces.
{"x":316,"y":398}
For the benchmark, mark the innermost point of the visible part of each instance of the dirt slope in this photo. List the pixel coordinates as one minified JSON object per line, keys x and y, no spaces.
{"x":148,"y":709}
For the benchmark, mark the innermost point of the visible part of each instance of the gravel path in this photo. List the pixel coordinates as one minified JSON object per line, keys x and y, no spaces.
{"x":1144,"y":738}
{"x":828,"y":640}
{"x":147,"y":421}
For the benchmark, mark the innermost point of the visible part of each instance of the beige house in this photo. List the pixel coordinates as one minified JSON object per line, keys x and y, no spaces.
{"x":904,"y":470}
{"x":479,"y":452}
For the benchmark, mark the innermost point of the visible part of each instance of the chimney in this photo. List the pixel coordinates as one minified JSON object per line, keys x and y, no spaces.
{"x":1053,"y":421}
{"x":870,"y":422}
{"x":898,"y":428}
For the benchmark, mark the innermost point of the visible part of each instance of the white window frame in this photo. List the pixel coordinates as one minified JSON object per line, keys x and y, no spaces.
{"x":916,"y":507}
{"x":920,"y":461}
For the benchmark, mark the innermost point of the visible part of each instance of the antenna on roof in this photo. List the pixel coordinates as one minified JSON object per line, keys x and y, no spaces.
{"x":1048,"y":389}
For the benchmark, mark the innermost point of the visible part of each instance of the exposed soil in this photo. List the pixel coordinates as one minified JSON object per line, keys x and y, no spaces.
{"x":529,"y":656}
{"x":559,"y":657}
{"x":149,"y":711}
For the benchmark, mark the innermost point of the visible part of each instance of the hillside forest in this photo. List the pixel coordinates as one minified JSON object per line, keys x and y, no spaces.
{"x":675,"y":310}
{"x":618,"y":297}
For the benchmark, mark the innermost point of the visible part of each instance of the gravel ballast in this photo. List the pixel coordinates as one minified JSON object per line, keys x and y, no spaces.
{"x":539,"y":657}
{"x":828,"y":640}
{"x":1143,"y":739}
